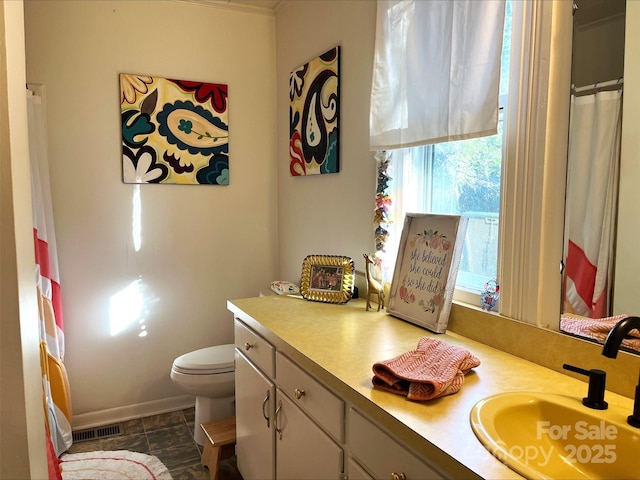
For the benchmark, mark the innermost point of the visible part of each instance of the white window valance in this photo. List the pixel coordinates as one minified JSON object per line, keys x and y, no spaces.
{"x":436,"y":71}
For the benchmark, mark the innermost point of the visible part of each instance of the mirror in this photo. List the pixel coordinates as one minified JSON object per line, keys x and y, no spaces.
{"x":595,"y":163}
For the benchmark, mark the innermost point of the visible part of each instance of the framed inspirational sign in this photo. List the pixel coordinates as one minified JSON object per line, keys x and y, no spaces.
{"x":426,"y":268}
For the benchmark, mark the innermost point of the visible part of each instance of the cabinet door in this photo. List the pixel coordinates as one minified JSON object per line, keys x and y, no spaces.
{"x":382,"y":455}
{"x":356,"y":472}
{"x":303,"y":450}
{"x":255,"y":400}
{"x":311,"y":396}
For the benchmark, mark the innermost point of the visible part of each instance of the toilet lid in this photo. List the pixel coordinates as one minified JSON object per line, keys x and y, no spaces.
{"x":217,"y":359}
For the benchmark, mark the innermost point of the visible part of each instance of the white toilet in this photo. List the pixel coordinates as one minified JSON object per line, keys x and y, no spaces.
{"x":208,"y":374}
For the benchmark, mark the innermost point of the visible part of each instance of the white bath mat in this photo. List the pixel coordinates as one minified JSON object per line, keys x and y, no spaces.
{"x":112,"y":465}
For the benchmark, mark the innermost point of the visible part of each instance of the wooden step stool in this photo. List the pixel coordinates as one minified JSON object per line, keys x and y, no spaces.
{"x":219,"y":444}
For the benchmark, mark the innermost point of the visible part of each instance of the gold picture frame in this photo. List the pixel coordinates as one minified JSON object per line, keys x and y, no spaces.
{"x":327,"y":278}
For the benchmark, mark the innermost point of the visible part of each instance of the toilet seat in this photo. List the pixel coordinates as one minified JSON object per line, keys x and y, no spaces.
{"x":206,"y":361}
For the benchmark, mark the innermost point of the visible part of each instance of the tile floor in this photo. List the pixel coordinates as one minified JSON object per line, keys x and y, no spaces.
{"x":170,"y":438}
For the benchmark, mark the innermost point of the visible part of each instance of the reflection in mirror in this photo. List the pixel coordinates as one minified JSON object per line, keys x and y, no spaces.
{"x":597,"y":78}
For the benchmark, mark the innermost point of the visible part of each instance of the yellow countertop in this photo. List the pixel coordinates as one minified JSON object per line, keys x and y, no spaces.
{"x":338,"y":344}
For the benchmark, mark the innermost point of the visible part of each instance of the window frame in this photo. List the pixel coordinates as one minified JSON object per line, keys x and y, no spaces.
{"x":534,"y":166}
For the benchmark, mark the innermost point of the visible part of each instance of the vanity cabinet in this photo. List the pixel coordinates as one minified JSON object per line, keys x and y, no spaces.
{"x":303,"y":450}
{"x":356,"y":472}
{"x":379,"y":434}
{"x":254,"y":421}
{"x":374,"y":451}
{"x":308,"y":419}
{"x":257,"y":350}
{"x":255,"y":404}
{"x":288,"y":426}
{"x":311,"y":396}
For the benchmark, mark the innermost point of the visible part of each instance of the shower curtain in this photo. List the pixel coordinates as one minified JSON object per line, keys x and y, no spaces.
{"x":591,"y":205}
{"x":55,"y":385}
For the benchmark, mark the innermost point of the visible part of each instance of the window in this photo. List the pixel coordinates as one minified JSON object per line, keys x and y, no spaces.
{"x":533,"y":133}
{"x":461,"y":177}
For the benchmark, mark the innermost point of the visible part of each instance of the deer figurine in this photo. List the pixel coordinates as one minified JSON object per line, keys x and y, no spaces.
{"x":373,"y":286}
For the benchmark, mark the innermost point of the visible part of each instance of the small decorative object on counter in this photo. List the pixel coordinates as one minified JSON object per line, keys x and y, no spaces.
{"x":327,"y":278}
{"x":373,"y":286}
{"x":285,"y":288}
{"x":489,"y":297}
{"x":426,"y":268}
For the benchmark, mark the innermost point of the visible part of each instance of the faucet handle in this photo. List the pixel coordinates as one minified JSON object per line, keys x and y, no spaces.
{"x":597,"y":381}
{"x":634,"y":419}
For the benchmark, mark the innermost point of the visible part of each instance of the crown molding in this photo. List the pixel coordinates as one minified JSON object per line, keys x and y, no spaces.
{"x":260,"y":7}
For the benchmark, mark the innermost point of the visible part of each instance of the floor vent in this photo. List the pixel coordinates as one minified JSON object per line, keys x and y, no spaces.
{"x":97,"y":433}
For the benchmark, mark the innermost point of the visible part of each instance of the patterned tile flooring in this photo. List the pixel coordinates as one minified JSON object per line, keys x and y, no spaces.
{"x":169,"y":437}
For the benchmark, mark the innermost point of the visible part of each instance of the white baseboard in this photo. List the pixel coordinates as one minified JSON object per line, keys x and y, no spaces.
{"x":131,"y":412}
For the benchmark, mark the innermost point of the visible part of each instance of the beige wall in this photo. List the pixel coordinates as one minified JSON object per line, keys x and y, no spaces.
{"x":201,"y":245}
{"x":327,"y":214}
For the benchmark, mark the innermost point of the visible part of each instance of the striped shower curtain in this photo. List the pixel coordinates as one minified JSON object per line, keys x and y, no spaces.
{"x":56,"y":393}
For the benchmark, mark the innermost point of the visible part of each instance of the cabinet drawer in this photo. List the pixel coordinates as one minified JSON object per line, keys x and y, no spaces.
{"x":380,"y":454}
{"x":255,"y":348}
{"x":310,"y":395}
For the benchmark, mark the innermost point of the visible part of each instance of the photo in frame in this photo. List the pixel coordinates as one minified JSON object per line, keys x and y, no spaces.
{"x":327,"y":278}
{"x":314,"y":116}
{"x":426,"y":269}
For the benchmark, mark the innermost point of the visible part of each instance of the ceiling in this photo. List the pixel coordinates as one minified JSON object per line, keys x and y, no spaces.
{"x":594,"y":11}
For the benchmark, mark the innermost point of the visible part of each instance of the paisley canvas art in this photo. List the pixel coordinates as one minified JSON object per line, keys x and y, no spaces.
{"x":174,"y":131}
{"x":314,"y":116}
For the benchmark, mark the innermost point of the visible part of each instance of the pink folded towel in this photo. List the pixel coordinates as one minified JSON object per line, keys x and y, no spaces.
{"x":598,"y":328}
{"x":433,"y":370}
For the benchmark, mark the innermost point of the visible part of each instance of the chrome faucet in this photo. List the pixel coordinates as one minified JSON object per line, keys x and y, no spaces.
{"x":610,"y":349}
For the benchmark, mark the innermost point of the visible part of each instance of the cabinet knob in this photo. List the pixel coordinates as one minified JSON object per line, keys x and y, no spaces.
{"x":398,"y":476}
{"x":298,"y":393}
{"x":247,"y":346}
